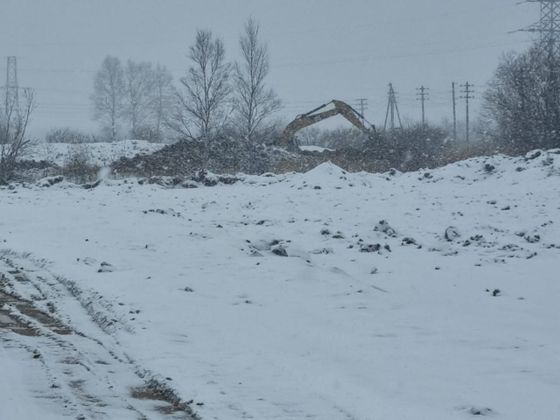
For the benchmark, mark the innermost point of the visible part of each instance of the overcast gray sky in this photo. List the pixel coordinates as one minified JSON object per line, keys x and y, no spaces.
{"x":320,"y":49}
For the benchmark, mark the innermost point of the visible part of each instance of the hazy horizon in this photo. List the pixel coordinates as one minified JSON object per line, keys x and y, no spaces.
{"x":319,"y":49}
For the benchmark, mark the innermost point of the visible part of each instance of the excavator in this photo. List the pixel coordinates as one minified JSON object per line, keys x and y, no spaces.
{"x":318,"y":114}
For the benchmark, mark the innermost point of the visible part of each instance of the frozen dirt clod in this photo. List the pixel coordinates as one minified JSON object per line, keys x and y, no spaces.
{"x":452,"y":234}
{"x":532,"y":238}
{"x":384,"y":227}
{"x":279,"y":250}
{"x":475,"y":411}
{"x":489,"y":168}
{"x":370,"y":248}
{"x":105,"y":267}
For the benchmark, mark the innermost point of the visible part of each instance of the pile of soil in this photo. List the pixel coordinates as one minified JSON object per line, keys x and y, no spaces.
{"x":185,"y":158}
{"x":352,"y":160}
{"x":228,"y":156}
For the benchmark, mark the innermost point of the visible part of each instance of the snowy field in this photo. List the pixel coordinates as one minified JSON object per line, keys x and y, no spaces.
{"x":98,"y":153}
{"x":284,"y":297}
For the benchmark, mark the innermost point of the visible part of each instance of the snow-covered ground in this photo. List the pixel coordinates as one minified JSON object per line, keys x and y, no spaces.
{"x":284,"y":297}
{"x":98,"y":153}
{"x":314,"y":148}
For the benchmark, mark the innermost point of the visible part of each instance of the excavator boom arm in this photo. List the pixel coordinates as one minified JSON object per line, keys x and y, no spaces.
{"x":350,"y":114}
{"x":312,"y":117}
{"x":305,"y":121}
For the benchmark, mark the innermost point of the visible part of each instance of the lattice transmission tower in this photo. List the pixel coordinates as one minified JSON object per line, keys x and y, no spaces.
{"x":548,"y":26}
{"x":12,"y":87}
{"x":392,"y":111}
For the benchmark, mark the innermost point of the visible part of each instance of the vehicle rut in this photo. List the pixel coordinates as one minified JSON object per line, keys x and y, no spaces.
{"x":90,"y":375}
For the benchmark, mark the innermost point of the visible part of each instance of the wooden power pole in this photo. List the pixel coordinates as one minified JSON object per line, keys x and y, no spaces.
{"x":454,"y":112}
{"x":468,"y":91}
{"x":422,"y":96}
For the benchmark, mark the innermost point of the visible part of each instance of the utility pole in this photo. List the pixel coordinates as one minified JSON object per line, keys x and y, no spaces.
{"x":12,"y":87}
{"x":454,"y":112}
{"x":422,"y":96}
{"x":362,"y":104}
{"x":392,"y":110}
{"x":468,"y":96}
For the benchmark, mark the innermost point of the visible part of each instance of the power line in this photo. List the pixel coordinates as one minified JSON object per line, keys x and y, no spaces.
{"x":360,"y":58}
{"x":433,"y":17}
{"x":371,"y":58}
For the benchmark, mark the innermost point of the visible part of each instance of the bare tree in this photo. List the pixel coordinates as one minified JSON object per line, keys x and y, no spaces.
{"x":162,"y":100}
{"x":139,"y":89}
{"x":204,"y":100}
{"x":108,"y":95}
{"x":14,"y":119}
{"x":523,"y":100}
{"x":254,"y":101}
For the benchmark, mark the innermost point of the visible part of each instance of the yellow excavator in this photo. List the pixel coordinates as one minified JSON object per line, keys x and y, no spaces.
{"x":318,"y":114}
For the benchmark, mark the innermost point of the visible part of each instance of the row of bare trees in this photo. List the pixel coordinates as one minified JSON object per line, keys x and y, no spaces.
{"x":138,"y":93}
{"x":213,"y":96}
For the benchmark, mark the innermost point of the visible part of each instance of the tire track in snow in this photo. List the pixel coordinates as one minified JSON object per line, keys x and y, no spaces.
{"x":90,"y":376}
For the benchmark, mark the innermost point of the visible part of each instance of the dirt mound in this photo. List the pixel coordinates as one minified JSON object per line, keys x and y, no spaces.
{"x":352,"y":160}
{"x":187,"y":157}
{"x":229,"y":156}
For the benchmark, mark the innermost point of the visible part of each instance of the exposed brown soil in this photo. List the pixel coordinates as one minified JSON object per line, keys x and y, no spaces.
{"x":21,"y":316}
{"x":184,"y":159}
{"x":22,"y":326}
{"x":155,"y":391}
